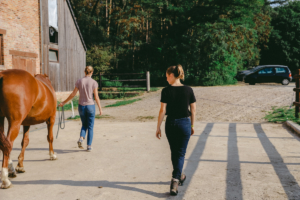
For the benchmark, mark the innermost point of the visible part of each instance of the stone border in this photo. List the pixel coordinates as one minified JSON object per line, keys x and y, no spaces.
{"x":294,"y":126}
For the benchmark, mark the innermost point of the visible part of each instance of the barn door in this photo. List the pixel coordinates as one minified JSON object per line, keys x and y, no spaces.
{"x":28,"y":64}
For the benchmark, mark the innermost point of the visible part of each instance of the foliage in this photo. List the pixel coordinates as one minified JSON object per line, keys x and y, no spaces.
{"x":212,"y":39}
{"x":282,"y":114}
{"x":99,"y":58}
{"x":106,"y":83}
{"x":122,"y":103}
{"x":284,"y":45}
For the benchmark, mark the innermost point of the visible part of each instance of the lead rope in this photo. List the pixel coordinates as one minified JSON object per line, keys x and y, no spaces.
{"x":61,"y":120}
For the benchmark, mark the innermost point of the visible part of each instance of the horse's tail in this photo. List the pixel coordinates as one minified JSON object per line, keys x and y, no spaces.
{"x":1,"y":78}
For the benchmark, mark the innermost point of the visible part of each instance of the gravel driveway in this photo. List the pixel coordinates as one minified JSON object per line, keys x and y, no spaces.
{"x":239,"y":103}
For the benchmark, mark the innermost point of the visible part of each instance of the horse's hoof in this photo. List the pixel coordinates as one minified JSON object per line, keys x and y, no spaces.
{"x":20,"y":169}
{"x":6,"y":185}
{"x":12,"y":174}
{"x":53,"y":157}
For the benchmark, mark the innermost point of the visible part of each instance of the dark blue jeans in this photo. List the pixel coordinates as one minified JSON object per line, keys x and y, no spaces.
{"x":87,"y":116}
{"x":178,"y":132}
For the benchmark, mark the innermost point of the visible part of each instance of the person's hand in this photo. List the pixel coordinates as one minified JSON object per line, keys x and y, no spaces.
{"x":61,"y":104}
{"x":193,"y":131}
{"x":158,"y":133}
{"x":100,"y":112}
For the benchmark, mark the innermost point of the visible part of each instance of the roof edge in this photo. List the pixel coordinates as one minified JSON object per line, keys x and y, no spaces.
{"x":75,"y":22}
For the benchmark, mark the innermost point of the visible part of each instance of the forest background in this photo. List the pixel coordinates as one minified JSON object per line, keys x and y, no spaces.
{"x":211,"y":39}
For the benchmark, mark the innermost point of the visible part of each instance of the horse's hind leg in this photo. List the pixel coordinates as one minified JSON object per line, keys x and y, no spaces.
{"x":6,"y":145}
{"x":11,"y":170}
{"x":50,"y":125}
{"x":1,"y":135}
{"x":25,"y":142}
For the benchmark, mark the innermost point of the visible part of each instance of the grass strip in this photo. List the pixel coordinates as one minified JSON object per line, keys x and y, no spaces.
{"x":145,"y":117}
{"x":68,"y":106}
{"x":122,"y":103}
{"x":152,"y":89}
{"x":282,"y":114}
{"x":97,"y":117}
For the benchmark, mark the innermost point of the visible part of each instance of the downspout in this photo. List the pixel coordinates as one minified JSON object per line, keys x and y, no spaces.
{"x":42,"y":37}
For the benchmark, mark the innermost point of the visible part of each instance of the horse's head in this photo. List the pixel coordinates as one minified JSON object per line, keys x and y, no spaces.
{"x":43,"y":77}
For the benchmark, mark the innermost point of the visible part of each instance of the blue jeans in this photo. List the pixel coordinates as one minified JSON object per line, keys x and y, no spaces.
{"x":87,"y":116}
{"x":178,"y":132}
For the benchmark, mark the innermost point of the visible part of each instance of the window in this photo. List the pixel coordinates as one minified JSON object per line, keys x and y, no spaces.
{"x":53,"y":34}
{"x":280,"y":70}
{"x":266,"y":71}
{"x":53,"y":55}
{"x":1,"y":50}
{"x":53,"y":21}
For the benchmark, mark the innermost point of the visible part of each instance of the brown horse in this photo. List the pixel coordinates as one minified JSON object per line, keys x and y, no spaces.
{"x":24,"y":100}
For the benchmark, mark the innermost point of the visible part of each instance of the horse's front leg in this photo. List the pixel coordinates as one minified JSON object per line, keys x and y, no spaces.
{"x":50,"y":125}
{"x":25,"y":142}
{"x":6,"y":145}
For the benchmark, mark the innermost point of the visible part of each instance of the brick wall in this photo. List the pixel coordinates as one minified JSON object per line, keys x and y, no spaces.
{"x":20,"y":19}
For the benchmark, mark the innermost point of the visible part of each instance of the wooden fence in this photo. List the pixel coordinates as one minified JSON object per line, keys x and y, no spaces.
{"x":147,"y":80}
{"x":297,"y":91}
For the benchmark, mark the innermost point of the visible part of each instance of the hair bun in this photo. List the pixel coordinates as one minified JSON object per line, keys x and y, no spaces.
{"x":177,"y":71}
{"x":88,"y":70}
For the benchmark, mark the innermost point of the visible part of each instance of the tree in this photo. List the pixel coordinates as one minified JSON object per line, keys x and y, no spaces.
{"x":212,"y":39}
{"x":284,"y":45}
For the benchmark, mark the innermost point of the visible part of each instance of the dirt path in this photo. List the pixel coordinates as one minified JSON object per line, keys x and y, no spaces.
{"x":223,"y":161}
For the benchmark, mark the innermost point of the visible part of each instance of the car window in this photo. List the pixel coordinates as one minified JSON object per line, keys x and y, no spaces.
{"x":266,"y":71}
{"x":255,"y":69}
{"x":280,"y":70}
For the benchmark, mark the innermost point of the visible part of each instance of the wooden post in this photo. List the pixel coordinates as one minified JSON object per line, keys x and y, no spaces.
{"x":297,"y":95}
{"x":100,"y":82}
{"x":148,"y":81}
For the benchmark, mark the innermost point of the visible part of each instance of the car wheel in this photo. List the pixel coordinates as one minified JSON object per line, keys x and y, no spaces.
{"x":285,"y":81}
{"x":252,"y":83}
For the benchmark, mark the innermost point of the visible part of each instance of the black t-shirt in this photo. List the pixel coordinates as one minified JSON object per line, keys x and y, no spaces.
{"x":178,"y":100}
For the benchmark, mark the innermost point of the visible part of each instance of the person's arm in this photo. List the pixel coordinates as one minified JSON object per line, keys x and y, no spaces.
{"x":72,"y":95}
{"x":161,"y":116}
{"x":193,"y":115}
{"x":97,"y":100}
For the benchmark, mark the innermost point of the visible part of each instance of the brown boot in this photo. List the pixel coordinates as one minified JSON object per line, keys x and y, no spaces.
{"x":174,"y":187}
{"x":182,"y":179}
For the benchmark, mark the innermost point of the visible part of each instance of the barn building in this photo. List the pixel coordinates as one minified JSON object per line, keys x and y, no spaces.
{"x":42,"y":36}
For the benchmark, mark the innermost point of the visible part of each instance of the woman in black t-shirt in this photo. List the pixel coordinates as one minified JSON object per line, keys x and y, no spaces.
{"x":175,"y":102}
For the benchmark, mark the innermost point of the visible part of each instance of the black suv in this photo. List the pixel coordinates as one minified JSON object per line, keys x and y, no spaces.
{"x":269,"y":73}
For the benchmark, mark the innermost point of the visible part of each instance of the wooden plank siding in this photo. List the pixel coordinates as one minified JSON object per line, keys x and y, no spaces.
{"x":72,"y":51}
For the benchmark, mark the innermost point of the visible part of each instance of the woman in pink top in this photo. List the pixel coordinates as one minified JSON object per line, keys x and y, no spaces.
{"x":86,"y":87}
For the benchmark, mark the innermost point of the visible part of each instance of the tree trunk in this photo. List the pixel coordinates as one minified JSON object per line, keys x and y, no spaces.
{"x":147,"y":34}
{"x":106,"y":15}
{"x":110,"y":10}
